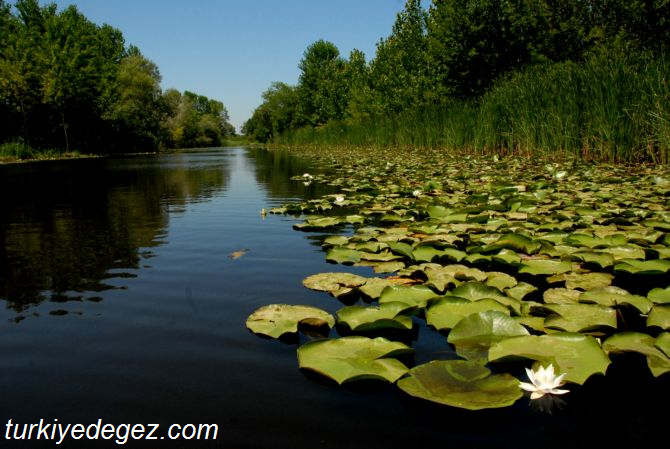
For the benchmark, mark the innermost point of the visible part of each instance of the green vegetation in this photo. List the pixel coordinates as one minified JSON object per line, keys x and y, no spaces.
{"x":559,"y":266}
{"x":577,"y":77}
{"x":67,"y":83}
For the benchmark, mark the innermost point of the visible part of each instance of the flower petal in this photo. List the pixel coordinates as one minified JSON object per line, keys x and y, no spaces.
{"x":526,"y":386}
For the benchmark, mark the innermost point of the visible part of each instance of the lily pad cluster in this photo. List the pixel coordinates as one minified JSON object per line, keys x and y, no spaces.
{"x":504,"y":257}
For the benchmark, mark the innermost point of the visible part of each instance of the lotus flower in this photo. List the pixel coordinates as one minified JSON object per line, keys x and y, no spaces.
{"x":543,"y":381}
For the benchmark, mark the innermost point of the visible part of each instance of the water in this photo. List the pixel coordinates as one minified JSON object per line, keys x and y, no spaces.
{"x":122,"y":304}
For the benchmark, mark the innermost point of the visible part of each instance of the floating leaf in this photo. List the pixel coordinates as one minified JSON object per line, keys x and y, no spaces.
{"x":384,"y":316}
{"x":415,"y":295}
{"x":520,"y":290}
{"x":337,"y":284}
{"x":659,"y":316}
{"x":615,"y":296}
{"x":515,"y":242}
{"x":476,"y":290}
{"x":659,"y":295}
{"x":545,"y":267}
{"x":585,"y":281}
{"x":475,"y":333}
{"x":663,"y":343}
{"x":577,"y":355}
{"x":447,"y":312}
{"x":462,"y":384}
{"x":354,"y":358}
{"x":561,"y":296}
{"x":501,"y":281}
{"x":580,"y":317}
{"x":401,"y":248}
{"x":318,"y":223}
{"x":342,"y":255}
{"x":374,"y":286}
{"x":659,"y":266}
{"x":657,"y":360}
{"x":275,"y":320}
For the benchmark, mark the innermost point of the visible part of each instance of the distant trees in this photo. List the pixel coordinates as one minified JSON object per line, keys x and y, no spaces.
{"x":456,"y":50}
{"x":67,"y":83}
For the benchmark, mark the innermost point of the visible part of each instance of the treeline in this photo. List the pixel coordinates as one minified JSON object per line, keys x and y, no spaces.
{"x":582,"y":76}
{"x":69,"y":84}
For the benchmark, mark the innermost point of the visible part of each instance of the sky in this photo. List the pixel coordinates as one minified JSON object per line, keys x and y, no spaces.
{"x":232,"y":50}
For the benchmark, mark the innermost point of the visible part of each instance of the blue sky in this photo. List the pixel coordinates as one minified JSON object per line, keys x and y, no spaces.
{"x":231,"y":50}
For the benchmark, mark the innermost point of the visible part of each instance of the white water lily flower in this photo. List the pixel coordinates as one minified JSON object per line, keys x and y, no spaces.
{"x":417,"y":193}
{"x":339,"y":200}
{"x":308,"y":176}
{"x":543,"y":381}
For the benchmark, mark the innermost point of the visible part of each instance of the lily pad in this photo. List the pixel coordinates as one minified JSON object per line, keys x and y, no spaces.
{"x":659,"y":295}
{"x":474,"y":334}
{"x":275,"y":320}
{"x":615,"y":296}
{"x":515,"y":242}
{"x":657,"y":360}
{"x":447,"y":312}
{"x":579,"y":356}
{"x":342,"y":255}
{"x":461,"y":384}
{"x":658,"y":266}
{"x":476,"y":290}
{"x":580,"y":317}
{"x":354,"y":358}
{"x":659,"y":316}
{"x":384,"y":316}
{"x":545,"y":267}
{"x":337,"y":284}
{"x":584,"y":281}
{"x":415,"y":295}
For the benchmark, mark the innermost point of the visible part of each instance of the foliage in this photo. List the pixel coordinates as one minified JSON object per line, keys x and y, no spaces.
{"x":531,"y":76}
{"x":66,"y":82}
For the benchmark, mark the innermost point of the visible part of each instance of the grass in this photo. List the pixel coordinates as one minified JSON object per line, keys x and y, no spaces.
{"x":614,"y":108}
{"x":11,"y":152}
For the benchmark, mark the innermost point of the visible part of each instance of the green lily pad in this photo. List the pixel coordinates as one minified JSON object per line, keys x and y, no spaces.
{"x":318,"y":223}
{"x":402,"y":249}
{"x":659,"y":316}
{"x":342,"y":255}
{"x":447,"y":312}
{"x":659,"y":266}
{"x":657,"y":360}
{"x":545,"y":267}
{"x":520,"y":290}
{"x":584,"y":281}
{"x":514,"y":242}
{"x":275,"y":320}
{"x":579,"y":356}
{"x":580,"y":317}
{"x":354,"y":358}
{"x":603,"y":260}
{"x":374,"y":286}
{"x":501,"y":281}
{"x":615,"y":296}
{"x":461,"y":384}
{"x":621,"y":253}
{"x":415,"y":295}
{"x":663,"y":343}
{"x":384,"y":316}
{"x":561,"y":296}
{"x":477,"y":290}
{"x":441,"y":277}
{"x":337,"y":284}
{"x":659,"y":295}
{"x":507,"y":257}
{"x":474,"y":334}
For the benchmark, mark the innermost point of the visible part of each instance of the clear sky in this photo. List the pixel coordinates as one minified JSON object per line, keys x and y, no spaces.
{"x":231,"y":50}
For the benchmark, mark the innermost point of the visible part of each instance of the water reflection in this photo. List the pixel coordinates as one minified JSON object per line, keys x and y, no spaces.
{"x":68,"y":228}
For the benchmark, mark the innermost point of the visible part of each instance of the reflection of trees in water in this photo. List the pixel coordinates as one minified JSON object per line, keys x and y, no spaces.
{"x":66,"y":228}
{"x":274,"y":170}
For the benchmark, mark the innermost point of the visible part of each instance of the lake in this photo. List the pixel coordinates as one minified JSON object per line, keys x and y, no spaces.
{"x":123,"y":304}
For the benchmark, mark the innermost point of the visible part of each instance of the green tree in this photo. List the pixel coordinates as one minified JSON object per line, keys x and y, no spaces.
{"x":137,"y":111}
{"x":321,"y":87}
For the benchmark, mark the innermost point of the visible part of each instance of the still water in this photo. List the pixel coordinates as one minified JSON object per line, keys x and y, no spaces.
{"x":121,"y":303}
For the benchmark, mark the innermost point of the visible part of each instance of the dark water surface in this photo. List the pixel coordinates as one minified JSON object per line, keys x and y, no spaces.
{"x":121,"y":304}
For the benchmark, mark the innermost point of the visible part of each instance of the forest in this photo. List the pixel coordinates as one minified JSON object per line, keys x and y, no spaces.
{"x":67,"y":84}
{"x":582,"y":77}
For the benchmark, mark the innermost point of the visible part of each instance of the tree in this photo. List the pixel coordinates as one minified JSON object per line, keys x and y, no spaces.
{"x":321,"y":88}
{"x":398,"y":72}
{"x":137,"y":110}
